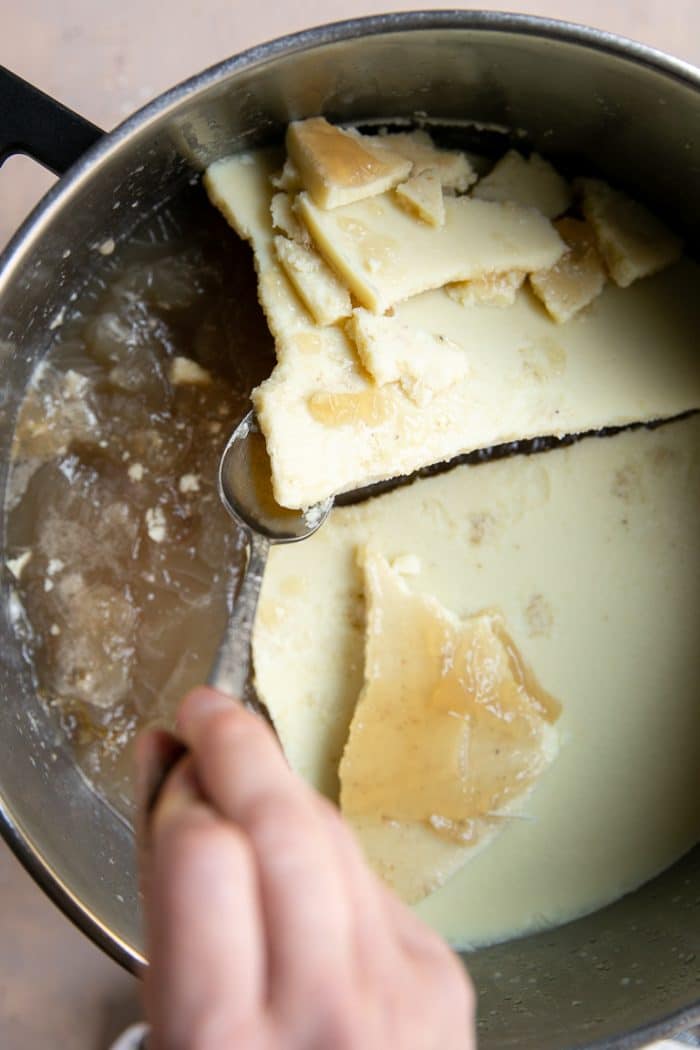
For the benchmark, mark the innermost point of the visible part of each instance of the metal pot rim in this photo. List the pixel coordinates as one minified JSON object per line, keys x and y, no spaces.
{"x":82,"y":170}
{"x":335,"y":32}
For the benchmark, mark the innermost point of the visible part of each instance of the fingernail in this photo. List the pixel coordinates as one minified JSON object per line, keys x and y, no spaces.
{"x":201,"y":703}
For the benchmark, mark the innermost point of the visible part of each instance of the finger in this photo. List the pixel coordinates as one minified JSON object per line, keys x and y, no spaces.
{"x":244,"y":773}
{"x":206,"y":977}
{"x":373,"y":929}
{"x":377,"y":900}
{"x":156,"y":753}
{"x":179,"y":792}
{"x":415,"y":935}
{"x":440,"y":973}
{"x":400,"y":961}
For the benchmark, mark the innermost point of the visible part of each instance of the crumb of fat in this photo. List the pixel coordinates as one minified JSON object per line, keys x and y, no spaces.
{"x":57,"y":319}
{"x":314,"y":515}
{"x":189,"y":483}
{"x":136,"y":472}
{"x":155,"y":524}
{"x":17,"y":565}
{"x":75,"y":384}
{"x":183,"y":370}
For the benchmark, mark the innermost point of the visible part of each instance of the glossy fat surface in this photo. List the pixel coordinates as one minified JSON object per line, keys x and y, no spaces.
{"x":591,"y":554}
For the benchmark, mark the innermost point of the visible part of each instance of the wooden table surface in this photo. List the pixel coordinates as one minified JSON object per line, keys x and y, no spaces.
{"x":104,"y":60}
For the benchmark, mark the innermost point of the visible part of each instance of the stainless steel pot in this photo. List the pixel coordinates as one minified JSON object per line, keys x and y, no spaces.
{"x":588,"y":100}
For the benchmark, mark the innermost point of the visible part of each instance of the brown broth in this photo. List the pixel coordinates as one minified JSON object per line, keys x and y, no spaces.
{"x":113,"y":484}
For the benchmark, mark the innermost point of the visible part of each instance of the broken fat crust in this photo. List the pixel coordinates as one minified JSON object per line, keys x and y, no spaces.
{"x":450,"y":734}
{"x":379,"y":264}
{"x":380,"y":259}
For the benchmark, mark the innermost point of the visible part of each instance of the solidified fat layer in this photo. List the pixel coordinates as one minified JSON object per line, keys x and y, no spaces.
{"x":337,"y":167}
{"x":451,"y":730}
{"x":422,"y":196}
{"x":325,"y":297}
{"x":591,"y":553}
{"x":494,"y":289}
{"x":631,"y":357}
{"x":531,"y":181}
{"x":421,"y":362}
{"x":452,"y":167}
{"x":576,"y":279}
{"x":632,"y":241}
{"x":385,"y":256}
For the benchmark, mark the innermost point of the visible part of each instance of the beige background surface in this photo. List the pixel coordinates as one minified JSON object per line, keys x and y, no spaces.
{"x":104,"y":60}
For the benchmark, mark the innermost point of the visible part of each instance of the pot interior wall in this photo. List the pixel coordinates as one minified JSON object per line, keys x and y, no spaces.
{"x":589,"y":109}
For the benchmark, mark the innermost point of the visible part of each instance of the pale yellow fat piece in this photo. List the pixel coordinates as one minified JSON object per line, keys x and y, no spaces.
{"x":631,"y":357}
{"x":577,"y":279}
{"x":449,"y":730}
{"x":243,"y":192}
{"x":529,"y":181}
{"x":384,"y":256}
{"x":591,"y":554}
{"x":423,"y":363}
{"x":410,"y":857}
{"x":337,"y":168}
{"x":422,"y":196}
{"x":250,"y":217}
{"x":326,"y":299}
{"x":632,"y":241}
{"x":452,"y":168}
{"x":494,"y":289}
{"x":184,"y":371}
{"x":284,"y":219}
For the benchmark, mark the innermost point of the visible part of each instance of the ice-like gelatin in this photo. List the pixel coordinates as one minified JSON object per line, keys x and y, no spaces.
{"x":123,"y":553}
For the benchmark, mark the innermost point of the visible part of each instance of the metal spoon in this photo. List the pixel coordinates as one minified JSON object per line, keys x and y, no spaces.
{"x":245,"y":488}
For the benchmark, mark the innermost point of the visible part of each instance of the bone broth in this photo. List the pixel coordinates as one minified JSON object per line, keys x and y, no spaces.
{"x":122,"y":554}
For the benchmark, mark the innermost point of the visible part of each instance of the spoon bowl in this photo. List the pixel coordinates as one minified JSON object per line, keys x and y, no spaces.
{"x":245,"y":488}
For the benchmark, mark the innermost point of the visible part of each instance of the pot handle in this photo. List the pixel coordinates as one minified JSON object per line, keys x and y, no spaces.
{"x":34,"y":123}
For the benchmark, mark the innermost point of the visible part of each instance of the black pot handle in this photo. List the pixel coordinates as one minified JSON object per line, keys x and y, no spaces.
{"x":34,"y":123}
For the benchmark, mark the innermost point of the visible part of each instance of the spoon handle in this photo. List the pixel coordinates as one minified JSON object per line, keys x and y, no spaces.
{"x":231,"y":668}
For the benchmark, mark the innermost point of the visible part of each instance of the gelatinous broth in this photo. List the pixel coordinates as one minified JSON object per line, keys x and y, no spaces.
{"x":123,"y":555}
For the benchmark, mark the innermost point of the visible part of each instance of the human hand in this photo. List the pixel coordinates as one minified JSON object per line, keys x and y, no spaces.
{"x":265,"y":929}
